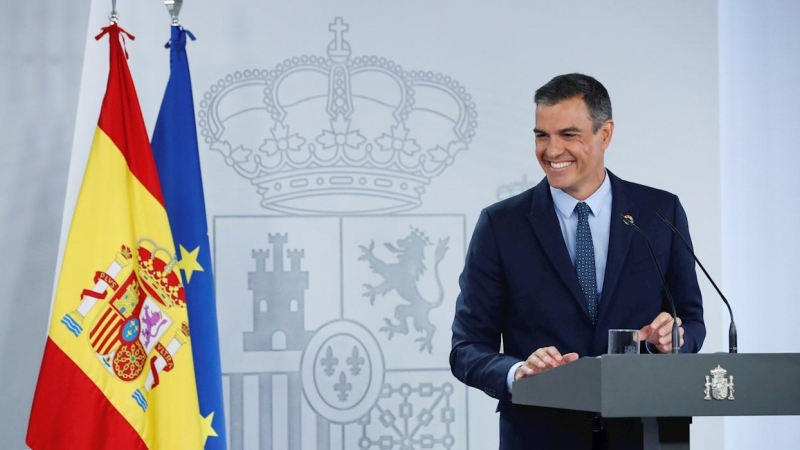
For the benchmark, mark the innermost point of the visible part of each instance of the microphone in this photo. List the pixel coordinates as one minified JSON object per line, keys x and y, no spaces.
{"x":676,"y":335}
{"x":732,"y":341}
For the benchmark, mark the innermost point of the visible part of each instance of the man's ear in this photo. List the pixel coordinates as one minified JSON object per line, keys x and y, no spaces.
{"x":606,"y":133}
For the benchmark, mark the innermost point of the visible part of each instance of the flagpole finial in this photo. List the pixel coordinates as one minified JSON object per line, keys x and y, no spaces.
{"x":174,"y":9}
{"x":114,"y":16}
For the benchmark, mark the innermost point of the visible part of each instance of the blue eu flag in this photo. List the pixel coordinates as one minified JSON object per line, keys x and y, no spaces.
{"x":176,"y":155}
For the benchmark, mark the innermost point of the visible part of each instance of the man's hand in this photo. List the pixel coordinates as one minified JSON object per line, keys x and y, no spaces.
{"x":659,"y":332}
{"x":543,"y":359}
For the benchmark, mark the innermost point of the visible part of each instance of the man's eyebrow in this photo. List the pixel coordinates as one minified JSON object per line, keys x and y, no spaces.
{"x":569,"y":130}
{"x":561,"y":131}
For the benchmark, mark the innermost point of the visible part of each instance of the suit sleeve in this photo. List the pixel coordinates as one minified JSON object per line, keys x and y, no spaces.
{"x":682,"y":281}
{"x":475,"y":357}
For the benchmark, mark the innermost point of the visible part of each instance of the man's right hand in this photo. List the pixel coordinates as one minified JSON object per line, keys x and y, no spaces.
{"x":543,"y":359}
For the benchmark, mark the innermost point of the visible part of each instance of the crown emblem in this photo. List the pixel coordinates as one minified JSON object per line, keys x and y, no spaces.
{"x":420,"y":235}
{"x":718,"y":372}
{"x":314,"y":130}
{"x":158,"y":274}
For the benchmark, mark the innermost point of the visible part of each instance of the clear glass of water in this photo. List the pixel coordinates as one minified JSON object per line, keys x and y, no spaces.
{"x":623,"y":342}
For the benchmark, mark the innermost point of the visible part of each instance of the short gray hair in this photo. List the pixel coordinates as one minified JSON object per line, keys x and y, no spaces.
{"x":565,"y":87}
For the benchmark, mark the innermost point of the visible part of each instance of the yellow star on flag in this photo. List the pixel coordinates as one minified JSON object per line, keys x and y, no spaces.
{"x":207,"y":429}
{"x":189,"y":262}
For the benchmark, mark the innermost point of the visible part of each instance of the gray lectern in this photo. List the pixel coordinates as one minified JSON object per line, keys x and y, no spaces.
{"x":667,"y":390}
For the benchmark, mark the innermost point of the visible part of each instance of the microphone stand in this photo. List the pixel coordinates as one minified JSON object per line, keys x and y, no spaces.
{"x":732,"y":339}
{"x":676,"y":334}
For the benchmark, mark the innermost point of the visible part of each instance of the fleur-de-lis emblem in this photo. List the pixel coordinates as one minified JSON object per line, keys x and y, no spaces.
{"x":355,"y":362}
{"x":329,"y":362}
{"x":342,"y":387}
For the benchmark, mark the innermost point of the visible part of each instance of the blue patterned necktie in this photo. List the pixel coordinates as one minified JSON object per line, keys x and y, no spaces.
{"x":584,"y":260}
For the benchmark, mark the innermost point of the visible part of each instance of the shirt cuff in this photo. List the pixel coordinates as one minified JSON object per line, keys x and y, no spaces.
{"x":510,"y":376}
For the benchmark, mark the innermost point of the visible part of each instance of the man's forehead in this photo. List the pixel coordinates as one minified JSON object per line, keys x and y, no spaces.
{"x":569,"y":112}
{"x":573,"y":103}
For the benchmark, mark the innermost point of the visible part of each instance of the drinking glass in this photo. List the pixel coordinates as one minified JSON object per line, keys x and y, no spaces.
{"x":623,"y":341}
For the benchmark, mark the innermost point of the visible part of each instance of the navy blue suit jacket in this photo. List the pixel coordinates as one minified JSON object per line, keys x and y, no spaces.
{"x":519,"y":286}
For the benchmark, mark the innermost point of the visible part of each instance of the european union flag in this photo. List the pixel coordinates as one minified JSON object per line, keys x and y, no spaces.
{"x":176,"y":155}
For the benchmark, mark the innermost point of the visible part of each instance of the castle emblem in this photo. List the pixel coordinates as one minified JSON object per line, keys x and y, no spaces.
{"x":719,"y":387}
{"x":278,"y":300}
{"x":402,"y":277}
{"x":133,"y":333}
{"x":315,"y":132}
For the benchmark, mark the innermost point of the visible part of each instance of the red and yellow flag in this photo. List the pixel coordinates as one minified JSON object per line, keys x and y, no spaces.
{"x":117,"y":370}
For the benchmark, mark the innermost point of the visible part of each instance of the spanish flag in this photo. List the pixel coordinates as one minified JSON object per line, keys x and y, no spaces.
{"x":117,"y":370}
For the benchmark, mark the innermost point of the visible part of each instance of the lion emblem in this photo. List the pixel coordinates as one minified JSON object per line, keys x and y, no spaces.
{"x":402,"y":276}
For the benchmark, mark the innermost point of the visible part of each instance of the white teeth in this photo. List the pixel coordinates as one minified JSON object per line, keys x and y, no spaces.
{"x":560,"y":165}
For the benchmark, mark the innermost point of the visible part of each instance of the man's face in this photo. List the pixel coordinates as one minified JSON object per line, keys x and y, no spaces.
{"x":568,"y":149}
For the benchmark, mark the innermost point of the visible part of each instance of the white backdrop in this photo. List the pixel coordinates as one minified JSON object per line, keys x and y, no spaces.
{"x":41,"y":51}
{"x":759,"y":69}
{"x":659,"y":63}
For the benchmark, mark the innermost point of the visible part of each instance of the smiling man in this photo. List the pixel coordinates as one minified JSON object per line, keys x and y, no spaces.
{"x":549,"y":271}
{"x":570,"y":143}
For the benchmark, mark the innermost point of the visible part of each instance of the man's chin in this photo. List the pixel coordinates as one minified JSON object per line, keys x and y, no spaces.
{"x":556,"y":182}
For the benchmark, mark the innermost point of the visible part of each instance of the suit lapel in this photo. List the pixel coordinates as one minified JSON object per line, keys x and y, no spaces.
{"x":619,"y":241}
{"x":545,"y":226}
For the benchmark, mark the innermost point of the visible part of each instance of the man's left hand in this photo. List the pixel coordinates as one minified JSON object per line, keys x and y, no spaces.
{"x":659,"y":332}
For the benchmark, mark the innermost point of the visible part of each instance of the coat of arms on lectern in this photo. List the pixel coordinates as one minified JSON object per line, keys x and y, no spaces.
{"x":717,"y":386}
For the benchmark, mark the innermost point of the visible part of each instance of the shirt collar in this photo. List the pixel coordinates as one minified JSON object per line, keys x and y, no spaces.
{"x":565,"y":203}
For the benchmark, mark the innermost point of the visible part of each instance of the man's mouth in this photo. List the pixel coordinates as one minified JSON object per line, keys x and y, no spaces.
{"x":560,"y":165}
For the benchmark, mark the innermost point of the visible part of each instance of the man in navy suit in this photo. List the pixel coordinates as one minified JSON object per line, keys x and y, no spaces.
{"x":521,"y":285}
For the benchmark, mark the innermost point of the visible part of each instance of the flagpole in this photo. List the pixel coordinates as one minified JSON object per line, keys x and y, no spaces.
{"x":114,"y":16}
{"x":174,"y":10}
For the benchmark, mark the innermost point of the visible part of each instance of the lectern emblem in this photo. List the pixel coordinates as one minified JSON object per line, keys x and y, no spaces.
{"x":717,"y":386}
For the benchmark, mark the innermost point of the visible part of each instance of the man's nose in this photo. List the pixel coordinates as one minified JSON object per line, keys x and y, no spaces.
{"x":554,"y":148}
